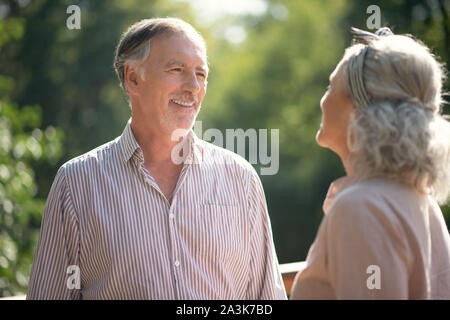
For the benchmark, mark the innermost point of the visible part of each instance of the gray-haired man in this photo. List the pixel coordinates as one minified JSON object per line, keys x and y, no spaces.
{"x":126,"y":221}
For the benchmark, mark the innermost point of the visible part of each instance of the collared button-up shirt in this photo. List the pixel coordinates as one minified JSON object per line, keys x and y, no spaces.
{"x":108,"y":232}
{"x":379,"y":239}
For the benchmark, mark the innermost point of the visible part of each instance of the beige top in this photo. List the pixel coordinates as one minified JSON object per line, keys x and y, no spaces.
{"x":379,"y":239}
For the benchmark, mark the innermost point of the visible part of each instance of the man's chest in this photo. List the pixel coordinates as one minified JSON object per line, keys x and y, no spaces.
{"x":128,"y":230}
{"x":166,"y":179}
{"x":155,"y":240}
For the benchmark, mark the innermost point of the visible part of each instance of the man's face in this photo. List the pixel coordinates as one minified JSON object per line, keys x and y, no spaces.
{"x":175,"y":81}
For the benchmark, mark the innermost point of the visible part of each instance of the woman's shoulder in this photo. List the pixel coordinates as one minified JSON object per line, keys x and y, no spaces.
{"x":375,"y":189}
{"x":385,"y":197}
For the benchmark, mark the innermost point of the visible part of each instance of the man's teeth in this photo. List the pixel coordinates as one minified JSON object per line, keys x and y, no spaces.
{"x":186,"y":104}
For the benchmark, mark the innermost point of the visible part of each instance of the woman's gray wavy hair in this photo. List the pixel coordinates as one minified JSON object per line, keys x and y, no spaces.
{"x":401,"y":134}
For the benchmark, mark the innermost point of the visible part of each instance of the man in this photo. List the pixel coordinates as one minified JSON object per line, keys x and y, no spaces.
{"x":134,"y":219}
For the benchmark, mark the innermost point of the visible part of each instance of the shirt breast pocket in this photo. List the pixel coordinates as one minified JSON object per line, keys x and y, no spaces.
{"x":222,"y":229}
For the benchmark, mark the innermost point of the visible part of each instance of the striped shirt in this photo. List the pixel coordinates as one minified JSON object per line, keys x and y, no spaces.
{"x":108,"y":232}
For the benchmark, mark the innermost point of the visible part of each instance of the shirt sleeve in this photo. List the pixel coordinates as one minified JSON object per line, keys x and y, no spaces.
{"x":55,"y":273}
{"x":367,"y":251}
{"x":265,"y":278}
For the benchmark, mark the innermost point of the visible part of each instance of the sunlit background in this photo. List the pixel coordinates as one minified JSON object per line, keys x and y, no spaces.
{"x":269,"y":66}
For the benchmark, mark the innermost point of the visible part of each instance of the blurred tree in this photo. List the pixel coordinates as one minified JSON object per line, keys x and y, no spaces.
{"x":23,"y":145}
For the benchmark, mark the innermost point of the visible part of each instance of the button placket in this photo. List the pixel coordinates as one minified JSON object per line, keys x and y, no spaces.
{"x":174,"y":237}
{"x":175,"y":247}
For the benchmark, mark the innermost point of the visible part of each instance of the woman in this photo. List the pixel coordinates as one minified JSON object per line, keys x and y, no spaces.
{"x":383,"y":235}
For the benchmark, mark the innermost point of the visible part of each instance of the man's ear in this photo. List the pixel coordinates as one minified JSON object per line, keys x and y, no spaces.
{"x":132,"y":79}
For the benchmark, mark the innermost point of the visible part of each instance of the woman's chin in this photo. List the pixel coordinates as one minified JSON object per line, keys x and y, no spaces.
{"x":320,"y":138}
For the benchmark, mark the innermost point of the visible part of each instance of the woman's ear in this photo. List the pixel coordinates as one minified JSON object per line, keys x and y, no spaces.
{"x":132,"y":79}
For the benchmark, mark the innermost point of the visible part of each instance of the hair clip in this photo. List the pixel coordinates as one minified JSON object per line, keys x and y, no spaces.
{"x":365,"y":37}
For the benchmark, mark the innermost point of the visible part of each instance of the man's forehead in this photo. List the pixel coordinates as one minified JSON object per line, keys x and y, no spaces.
{"x":182,"y":39}
{"x":179,"y":49}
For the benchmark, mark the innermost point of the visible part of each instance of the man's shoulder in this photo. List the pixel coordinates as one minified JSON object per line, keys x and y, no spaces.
{"x":93,"y":158}
{"x":217,"y":155}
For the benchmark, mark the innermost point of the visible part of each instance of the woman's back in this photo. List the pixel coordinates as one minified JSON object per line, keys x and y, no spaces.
{"x":378,"y":228}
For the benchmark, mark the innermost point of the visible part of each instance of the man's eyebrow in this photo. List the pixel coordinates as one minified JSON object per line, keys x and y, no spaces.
{"x":204,"y":69}
{"x":175,"y":63}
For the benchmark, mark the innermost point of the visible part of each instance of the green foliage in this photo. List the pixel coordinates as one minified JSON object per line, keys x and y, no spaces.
{"x":11,"y":29}
{"x":22,"y":145}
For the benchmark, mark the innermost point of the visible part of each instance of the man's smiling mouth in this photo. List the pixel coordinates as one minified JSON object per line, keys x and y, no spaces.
{"x":182,"y":103}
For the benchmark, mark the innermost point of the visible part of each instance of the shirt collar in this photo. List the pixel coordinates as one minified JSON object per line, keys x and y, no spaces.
{"x":129,"y":145}
{"x":335,"y":188}
{"x":128,"y":142}
{"x":196,"y":155}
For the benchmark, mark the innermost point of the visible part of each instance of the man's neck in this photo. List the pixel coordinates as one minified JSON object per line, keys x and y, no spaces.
{"x":160,"y":148}
{"x":156,"y":147}
{"x":158,"y":157}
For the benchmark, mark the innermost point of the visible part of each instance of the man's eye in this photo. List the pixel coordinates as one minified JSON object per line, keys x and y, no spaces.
{"x":202,"y":75}
{"x":176,"y":69}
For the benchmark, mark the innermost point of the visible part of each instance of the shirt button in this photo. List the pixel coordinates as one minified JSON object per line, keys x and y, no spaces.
{"x":177,"y":263}
{"x":171,"y":216}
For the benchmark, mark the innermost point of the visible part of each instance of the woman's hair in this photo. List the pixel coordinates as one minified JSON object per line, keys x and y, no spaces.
{"x":401,"y":133}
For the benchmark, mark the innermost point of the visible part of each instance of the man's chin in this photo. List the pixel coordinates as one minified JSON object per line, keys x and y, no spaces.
{"x":186,"y":122}
{"x":181,"y":128}
{"x":186,"y":125}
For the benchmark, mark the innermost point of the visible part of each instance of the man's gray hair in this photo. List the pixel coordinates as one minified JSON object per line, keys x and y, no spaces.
{"x":134,"y":45}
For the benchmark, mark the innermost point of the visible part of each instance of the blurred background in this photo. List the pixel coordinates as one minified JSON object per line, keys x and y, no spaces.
{"x":269,"y":67}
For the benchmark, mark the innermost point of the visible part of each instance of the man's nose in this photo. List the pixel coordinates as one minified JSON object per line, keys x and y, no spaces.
{"x":191,"y":83}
